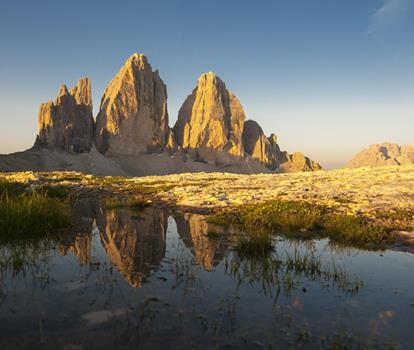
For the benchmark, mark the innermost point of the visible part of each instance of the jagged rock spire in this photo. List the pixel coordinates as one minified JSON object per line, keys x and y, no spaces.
{"x":67,"y":123}
{"x":210,"y":122}
{"x":133,"y":115}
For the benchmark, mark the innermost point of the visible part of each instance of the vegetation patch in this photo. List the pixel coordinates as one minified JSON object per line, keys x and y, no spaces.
{"x":288,"y":272}
{"x":12,"y":188}
{"x":301,"y":218}
{"x":31,"y":214}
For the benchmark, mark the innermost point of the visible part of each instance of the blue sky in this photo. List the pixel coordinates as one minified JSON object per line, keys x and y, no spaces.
{"x":329,"y":77}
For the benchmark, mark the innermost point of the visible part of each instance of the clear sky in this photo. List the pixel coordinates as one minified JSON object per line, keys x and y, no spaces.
{"x":328,"y":77}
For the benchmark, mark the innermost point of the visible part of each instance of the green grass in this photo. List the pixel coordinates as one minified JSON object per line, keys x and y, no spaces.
{"x":31,"y":214}
{"x":306,"y":264}
{"x":18,"y":256}
{"x":352,"y":229}
{"x":287,"y":272}
{"x":303,"y":218}
{"x":133,"y":203}
{"x":12,"y":188}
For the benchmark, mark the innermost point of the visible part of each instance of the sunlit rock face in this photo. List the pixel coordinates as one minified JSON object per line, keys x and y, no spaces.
{"x":193,"y":230}
{"x":383,"y":154}
{"x":67,"y":123}
{"x":210,"y":122}
{"x":298,"y":162}
{"x":135,"y":244}
{"x":133,"y":117}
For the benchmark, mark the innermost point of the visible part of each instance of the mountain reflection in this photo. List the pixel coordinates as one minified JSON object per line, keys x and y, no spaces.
{"x":193,"y":230}
{"x":81,"y":246}
{"x":135,"y":243}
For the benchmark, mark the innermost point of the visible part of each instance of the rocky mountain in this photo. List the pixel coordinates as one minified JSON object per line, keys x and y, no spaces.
{"x":133,"y":117}
{"x":211,"y":127}
{"x":131,"y":135}
{"x":210,"y":122}
{"x":67,"y":123}
{"x":383,"y":154}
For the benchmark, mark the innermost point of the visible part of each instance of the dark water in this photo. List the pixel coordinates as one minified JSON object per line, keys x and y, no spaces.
{"x":156,"y":280}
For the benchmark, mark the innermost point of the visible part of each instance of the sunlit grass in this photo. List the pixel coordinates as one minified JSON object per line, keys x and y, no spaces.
{"x":28,"y":214}
{"x":302,"y":218}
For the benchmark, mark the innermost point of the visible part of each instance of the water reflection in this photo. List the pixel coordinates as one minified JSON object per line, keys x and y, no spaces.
{"x":135,"y":244}
{"x":81,"y":246}
{"x":126,"y":279}
{"x":193,"y":230}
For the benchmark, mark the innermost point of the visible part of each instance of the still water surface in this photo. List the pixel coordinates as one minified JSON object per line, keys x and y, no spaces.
{"x":156,"y":279}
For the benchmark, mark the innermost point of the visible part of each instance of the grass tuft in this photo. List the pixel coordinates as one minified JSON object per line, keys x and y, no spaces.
{"x":30,"y":215}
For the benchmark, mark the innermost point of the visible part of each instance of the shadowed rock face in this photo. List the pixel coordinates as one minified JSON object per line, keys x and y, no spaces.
{"x":262,"y":148}
{"x":210,"y":122}
{"x":383,"y":154}
{"x":267,"y":151}
{"x":67,"y":123}
{"x":133,"y":117}
{"x":135,"y":244}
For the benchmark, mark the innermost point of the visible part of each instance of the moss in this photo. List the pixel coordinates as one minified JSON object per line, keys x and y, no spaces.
{"x":396,"y":214}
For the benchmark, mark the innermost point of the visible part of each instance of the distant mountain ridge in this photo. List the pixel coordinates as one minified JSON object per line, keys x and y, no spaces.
{"x":383,"y":154}
{"x":132,"y":134}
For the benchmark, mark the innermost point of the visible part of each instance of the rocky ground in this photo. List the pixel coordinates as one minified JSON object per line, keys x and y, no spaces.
{"x":384,"y":195}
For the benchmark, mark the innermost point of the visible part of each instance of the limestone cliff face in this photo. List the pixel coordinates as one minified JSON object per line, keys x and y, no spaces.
{"x":133,"y":117}
{"x":383,"y":154}
{"x":210,"y":122}
{"x":67,"y":123}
